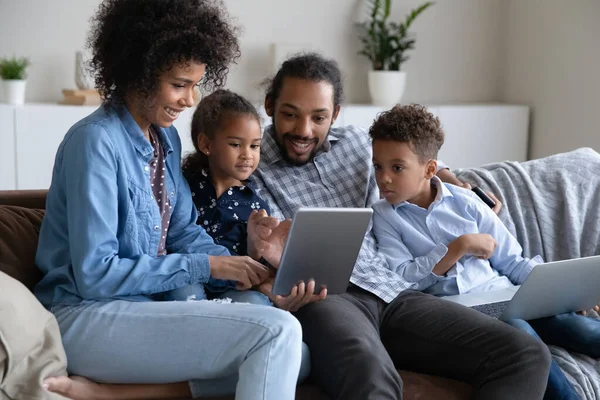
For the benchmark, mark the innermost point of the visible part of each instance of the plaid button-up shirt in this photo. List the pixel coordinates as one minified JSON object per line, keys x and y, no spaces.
{"x":341,"y":175}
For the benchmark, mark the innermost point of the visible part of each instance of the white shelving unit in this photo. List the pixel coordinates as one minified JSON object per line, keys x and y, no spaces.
{"x":476,"y":134}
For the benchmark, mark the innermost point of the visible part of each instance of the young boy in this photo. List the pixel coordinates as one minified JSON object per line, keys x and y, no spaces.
{"x":447,"y":241}
{"x":439,"y":236}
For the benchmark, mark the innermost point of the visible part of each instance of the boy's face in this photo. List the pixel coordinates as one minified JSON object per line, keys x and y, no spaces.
{"x":399,"y":173}
{"x":234,"y":152}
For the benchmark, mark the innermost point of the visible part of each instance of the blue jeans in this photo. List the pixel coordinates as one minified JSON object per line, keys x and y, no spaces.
{"x":197,"y":292}
{"x":570,"y":331}
{"x":255,"y":297}
{"x":204,"y":343}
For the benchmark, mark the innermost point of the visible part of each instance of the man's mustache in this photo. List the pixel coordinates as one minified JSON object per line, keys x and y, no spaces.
{"x":297,"y":138}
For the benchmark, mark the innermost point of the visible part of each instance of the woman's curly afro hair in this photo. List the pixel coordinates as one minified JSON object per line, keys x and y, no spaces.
{"x":134,"y":41}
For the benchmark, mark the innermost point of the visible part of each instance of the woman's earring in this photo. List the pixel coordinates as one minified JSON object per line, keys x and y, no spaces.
{"x":207,"y":152}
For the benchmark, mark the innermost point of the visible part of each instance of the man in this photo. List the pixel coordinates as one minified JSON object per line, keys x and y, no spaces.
{"x":359,"y":338}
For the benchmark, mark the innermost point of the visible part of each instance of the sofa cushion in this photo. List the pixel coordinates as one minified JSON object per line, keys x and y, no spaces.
{"x":19,"y":228}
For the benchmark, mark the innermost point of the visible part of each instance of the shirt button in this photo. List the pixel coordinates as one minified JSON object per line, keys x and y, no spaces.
{"x":151,"y":197}
{"x":172,"y":194}
{"x":156,"y":227}
{"x":146,"y":168}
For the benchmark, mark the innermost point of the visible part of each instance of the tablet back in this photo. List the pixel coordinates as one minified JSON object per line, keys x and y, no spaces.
{"x":322,"y":245}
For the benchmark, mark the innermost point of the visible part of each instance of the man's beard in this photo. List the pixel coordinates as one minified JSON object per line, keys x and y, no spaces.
{"x":290,"y":136}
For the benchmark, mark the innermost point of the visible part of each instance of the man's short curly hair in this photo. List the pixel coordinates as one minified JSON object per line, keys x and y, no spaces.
{"x":410,"y":124}
{"x":134,"y":41}
{"x":309,"y":66}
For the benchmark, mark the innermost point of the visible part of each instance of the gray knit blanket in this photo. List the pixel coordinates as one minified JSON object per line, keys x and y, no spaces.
{"x":552,"y":206}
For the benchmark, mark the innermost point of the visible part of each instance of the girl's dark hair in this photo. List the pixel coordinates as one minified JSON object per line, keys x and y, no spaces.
{"x":134,"y":41}
{"x":208,"y":119}
{"x":310,"y":66}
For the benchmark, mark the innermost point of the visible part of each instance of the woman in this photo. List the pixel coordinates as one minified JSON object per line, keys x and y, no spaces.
{"x":120,"y":226}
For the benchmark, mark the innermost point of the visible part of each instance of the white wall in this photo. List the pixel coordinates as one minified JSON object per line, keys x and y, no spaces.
{"x":456,"y":59}
{"x":552,"y":63}
{"x":544,"y":53}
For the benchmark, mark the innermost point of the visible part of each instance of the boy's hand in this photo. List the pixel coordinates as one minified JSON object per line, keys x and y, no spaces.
{"x":480,"y":245}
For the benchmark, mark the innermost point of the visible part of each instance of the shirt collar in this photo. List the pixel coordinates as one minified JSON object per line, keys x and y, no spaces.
{"x":271,"y":153}
{"x":141,"y":144}
{"x":203,"y":176}
{"x":441,"y":193}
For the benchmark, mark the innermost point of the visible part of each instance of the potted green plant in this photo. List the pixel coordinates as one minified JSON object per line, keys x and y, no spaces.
{"x":385,"y":44}
{"x":13,"y":73}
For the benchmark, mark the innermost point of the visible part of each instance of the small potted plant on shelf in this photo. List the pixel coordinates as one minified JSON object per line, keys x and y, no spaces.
{"x":13,"y":74}
{"x":385,"y":44}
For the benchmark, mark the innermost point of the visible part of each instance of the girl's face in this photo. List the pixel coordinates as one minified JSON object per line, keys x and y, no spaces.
{"x":177,"y":90}
{"x":234,"y":152}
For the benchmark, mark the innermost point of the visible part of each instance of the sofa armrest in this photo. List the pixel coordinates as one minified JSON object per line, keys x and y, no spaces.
{"x":24,"y":198}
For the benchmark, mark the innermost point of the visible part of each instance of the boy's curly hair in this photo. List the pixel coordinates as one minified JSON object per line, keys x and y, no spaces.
{"x":208,"y":119}
{"x":134,"y":41}
{"x":410,"y":124}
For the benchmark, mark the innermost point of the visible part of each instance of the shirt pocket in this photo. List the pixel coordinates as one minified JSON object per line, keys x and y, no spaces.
{"x":139,"y":225}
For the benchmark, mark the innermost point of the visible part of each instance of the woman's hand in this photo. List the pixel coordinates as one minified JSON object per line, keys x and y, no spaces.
{"x":300,"y":295}
{"x":243,"y":269}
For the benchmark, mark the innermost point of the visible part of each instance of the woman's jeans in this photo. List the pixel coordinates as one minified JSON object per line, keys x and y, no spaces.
{"x":571,"y":331}
{"x":198,"y":292}
{"x":217,"y":348}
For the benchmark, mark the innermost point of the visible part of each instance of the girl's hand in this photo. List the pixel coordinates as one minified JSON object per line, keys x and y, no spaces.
{"x":267,"y":237}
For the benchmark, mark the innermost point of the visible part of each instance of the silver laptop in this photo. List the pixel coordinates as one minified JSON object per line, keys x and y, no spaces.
{"x":552,"y":288}
{"x":322,"y":245}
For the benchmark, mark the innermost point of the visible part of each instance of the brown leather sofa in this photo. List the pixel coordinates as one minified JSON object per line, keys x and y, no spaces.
{"x":21,"y":214}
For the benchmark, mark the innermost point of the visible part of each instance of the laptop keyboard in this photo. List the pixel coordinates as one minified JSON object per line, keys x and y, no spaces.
{"x":494,"y":310}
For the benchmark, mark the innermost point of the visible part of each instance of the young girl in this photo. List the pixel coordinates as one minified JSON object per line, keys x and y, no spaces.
{"x":226,"y":134}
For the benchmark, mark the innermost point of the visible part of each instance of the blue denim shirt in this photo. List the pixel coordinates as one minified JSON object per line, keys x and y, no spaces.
{"x":100,"y":235}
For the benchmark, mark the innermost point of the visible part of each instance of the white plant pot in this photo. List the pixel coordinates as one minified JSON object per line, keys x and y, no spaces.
{"x":14,"y":91}
{"x":386,"y":87}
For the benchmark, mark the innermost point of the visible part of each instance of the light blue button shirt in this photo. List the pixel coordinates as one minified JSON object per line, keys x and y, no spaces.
{"x":100,"y":235}
{"x":414,"y":240}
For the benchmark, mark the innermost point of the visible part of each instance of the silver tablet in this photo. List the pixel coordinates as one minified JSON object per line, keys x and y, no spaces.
{"x":322,"y":245}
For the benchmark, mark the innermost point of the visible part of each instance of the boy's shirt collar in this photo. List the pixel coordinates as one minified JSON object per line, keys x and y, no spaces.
{"x":441,"y":193}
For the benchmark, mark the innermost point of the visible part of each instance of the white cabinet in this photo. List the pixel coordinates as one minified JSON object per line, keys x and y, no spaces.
{"x":475,"y":135}
{"x":39,"y":130}
{"x":7,"y":147}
